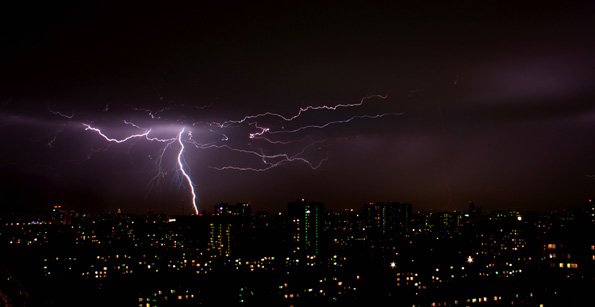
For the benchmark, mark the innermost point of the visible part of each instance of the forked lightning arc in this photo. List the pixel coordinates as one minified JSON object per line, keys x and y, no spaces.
{"x":259,"y":131}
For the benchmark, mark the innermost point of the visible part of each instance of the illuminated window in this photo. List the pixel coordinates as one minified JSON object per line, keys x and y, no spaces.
{"x":551,"y":246}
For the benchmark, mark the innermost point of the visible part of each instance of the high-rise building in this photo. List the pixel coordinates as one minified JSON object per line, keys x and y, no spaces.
{"x":448,"y":223}
{"x":221,"y":237}
{"x":383,"y":219}
{"x":402,"y":217}
{"x":306,"y":225}
{"x":227,"y":225}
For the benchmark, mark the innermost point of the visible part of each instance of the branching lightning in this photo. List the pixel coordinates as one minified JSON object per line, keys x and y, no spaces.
{"x":330,"y":123}
{"x":301,"y":111}
{"x":145,"y":134}
{"x":242,"y":144}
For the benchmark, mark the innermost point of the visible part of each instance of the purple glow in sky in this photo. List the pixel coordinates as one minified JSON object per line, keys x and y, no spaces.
{"x":220,"y":141}
{"x":433,"y":104}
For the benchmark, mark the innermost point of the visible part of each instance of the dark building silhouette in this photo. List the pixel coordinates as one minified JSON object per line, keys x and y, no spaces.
{"x":474,"y":210}
{"x":448,"y":223}
{"x":63,"y":216}
{"x":241,"y":210}
{"x":306,"y":225}
{"x":228,"y":224}
{"x":383,"y":219}
{"x":590,"y":210}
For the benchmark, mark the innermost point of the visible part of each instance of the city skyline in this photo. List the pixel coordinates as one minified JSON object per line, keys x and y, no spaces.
{"x":307,"y":257}
{"x":434,"y":105}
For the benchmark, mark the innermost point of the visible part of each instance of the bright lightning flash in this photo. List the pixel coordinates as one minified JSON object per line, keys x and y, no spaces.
{"x":256,"y":135}
{"x":181,"y":166}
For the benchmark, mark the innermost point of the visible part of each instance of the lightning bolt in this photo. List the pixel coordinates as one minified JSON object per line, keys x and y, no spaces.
{"x":145,"y":134}
{"x":301,"y":111}
{"x":169,"y":141}
{"x":181,"y":166}
{"x":328,"y":124}
{"x":229,"y":142}
{"x":60,"y":114}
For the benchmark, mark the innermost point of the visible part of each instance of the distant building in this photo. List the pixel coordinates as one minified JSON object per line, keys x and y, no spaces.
{"x":63,"y":216}
{"x":227,"y":224}
{"x":220,"y":234}
{"x":384,"y":219}
{"x":306,"y":225}
{"x":450,"y":221}
{"x":590,"y":210}
{"x":474,"y":210}
{"x":242,"y":210}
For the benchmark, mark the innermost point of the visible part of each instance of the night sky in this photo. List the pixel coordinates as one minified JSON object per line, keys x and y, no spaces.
{"x":485,"y":101}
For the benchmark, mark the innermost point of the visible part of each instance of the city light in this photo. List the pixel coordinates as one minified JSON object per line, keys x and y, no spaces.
{"x":296,"y":251}
{"x":284,"y":153}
